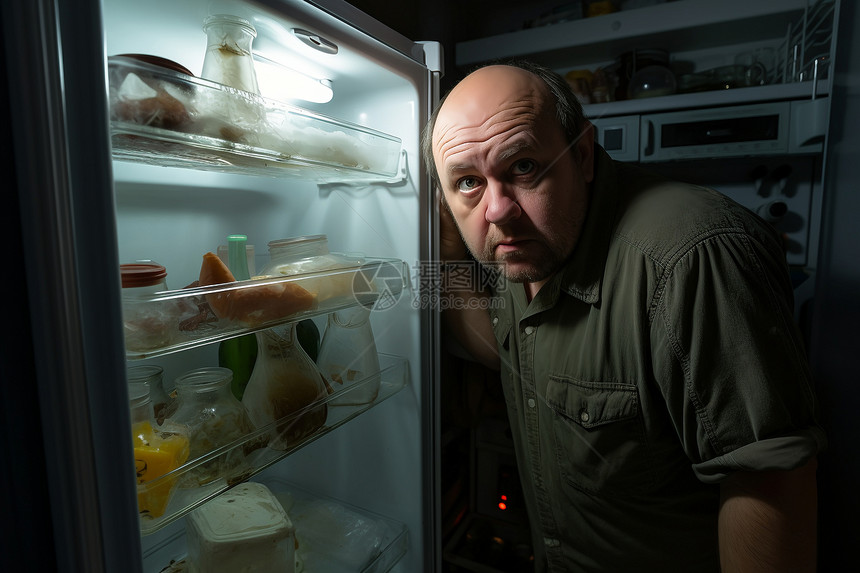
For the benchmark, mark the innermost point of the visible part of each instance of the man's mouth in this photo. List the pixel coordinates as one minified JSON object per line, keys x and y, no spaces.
{"x":509,"y":245}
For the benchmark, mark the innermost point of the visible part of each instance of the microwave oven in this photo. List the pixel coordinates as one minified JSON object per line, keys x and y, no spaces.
{"x":773,"y":128}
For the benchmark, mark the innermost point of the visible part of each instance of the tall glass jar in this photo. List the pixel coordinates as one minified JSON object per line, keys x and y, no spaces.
{"x":156,"y":452}
{"x":154,"y":377}
{"x":348,"y":357}
{"x":284,"y":388}
{"x":214,"y":418}
{"x":229,"y":57}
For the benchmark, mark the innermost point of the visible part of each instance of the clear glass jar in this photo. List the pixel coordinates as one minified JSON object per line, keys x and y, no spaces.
{"x":348,"y":356}
{"x":156,"y":452}
{"x":147,"y":324}
{"x":229,"y":57}
{"x":214,"y":418}
{"x":285,"y":382}
{"x":310,"y":254}
{"x":154,"y":377}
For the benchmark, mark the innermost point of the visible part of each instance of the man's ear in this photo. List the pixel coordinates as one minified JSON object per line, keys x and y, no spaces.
{"x":585,"y":151}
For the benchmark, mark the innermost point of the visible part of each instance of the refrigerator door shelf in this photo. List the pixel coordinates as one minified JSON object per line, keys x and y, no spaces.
{"x":332,"y":535}
{"x":250,"y":454}
{"x":175,"y":320}
{"x":163,"y":117}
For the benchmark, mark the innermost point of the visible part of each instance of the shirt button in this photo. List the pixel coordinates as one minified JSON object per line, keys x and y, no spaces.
{"x":531,"y":402}
{"x":583,"y":415}
{"x":549,"y":542}
{"x":529,"y":329}
{"x":495,"y":320}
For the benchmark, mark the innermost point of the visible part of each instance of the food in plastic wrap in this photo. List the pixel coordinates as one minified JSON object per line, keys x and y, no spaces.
{"x":331,"y":537}
{"x":150,"y":98}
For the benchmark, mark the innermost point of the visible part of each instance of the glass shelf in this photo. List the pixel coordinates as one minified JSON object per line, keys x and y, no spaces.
{"x":163,"y":117}
{"x":254,"y":453}
{"x":175,"y":320}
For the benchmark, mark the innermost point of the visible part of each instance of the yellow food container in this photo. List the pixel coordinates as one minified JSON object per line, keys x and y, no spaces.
{"x":156,"y":453}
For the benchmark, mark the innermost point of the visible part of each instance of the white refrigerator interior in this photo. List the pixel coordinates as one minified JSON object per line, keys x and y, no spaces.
{"x":175,"y":214}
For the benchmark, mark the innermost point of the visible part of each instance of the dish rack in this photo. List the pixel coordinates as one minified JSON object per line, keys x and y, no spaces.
{"x":805,"y":53}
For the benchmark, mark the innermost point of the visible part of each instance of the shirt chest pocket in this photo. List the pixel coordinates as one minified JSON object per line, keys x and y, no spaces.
{"x":597,"y":435}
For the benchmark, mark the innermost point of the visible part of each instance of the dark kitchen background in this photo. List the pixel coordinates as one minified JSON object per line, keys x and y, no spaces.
{"x":477,"y":462}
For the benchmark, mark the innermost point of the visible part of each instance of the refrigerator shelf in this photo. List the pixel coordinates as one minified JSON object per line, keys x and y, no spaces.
{"x":163,"y":117}
{"x":175,"y":320}
{"x":255,"y":453}
{"x":355,"y":539}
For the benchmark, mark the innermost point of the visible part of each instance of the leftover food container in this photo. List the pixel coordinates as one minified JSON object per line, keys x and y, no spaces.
{"x":243,"y":530}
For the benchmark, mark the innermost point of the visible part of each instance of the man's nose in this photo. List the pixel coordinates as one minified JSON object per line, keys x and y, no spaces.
{"x":502,"y":206}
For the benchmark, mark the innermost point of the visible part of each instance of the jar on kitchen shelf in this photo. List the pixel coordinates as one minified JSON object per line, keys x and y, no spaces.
{"x":348,"y":357}
{"x":214,"y":418}
{"x":157,"y":451}
{"x":286,"y":387}
{"x":153,"y":376}
{"x":147,"y":324}
{"x":229,"y":58}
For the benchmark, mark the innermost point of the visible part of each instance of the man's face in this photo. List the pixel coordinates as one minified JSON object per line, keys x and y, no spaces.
{"x":517,"y":191}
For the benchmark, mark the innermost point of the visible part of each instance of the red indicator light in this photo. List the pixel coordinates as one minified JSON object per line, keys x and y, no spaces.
{"x":502,"y":505}
{"x":504,"y":498}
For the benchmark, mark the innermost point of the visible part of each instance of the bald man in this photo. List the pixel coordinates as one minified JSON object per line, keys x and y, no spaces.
{"x":656,"y":386}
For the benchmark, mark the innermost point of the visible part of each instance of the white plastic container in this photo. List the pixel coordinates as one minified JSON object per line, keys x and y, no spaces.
{"x":243,"y":530}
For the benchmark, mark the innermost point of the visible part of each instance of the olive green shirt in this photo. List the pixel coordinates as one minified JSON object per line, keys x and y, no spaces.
{"x":661,"y":358}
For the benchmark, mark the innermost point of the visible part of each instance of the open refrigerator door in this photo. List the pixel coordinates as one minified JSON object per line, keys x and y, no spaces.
{"x":156,"y":161}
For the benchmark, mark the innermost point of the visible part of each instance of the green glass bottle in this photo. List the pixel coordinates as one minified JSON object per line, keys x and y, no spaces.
{"x":238,"y":354}
{"x":309,"y":337}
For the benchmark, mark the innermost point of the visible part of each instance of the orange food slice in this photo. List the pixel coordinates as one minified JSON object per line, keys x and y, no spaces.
{"x":251,"y":306}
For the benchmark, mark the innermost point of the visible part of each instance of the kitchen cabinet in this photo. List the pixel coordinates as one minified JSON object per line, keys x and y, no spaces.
{"x":699,"y":35}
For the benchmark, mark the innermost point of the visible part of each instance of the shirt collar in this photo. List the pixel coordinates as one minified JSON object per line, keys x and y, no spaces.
{"x":582,"y":274}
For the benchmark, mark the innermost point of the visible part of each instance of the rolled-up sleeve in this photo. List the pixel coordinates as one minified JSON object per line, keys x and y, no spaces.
{"x":729,"y":359}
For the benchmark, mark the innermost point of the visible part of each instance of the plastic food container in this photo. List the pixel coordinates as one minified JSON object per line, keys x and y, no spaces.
{"x":244,"y":530}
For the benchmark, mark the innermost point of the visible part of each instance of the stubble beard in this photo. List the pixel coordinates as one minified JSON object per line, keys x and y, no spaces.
{"x":538,"y":260}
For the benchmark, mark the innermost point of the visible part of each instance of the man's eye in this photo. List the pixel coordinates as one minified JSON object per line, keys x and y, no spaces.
{"x":523,"y":166}
{"x":467,"y":183}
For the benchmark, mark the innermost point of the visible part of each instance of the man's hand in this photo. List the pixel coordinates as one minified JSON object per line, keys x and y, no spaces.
{"x":465,"y":317}
{"x":451,"y":245}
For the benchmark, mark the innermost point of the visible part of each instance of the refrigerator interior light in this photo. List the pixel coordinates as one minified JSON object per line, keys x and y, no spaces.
{"x":279,"y":82}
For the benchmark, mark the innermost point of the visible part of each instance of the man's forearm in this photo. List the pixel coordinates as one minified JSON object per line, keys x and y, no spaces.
{"x":768,"y":521}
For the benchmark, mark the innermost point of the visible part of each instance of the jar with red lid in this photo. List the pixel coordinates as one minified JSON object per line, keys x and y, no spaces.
{"x":148,"y":323}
